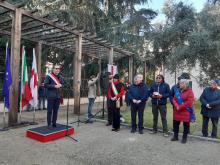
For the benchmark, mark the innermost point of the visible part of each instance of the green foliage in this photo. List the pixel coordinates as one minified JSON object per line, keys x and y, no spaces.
{"x":169,"y":41}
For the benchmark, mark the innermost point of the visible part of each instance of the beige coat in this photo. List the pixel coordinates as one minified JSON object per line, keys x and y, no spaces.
{"x":92,"y":88}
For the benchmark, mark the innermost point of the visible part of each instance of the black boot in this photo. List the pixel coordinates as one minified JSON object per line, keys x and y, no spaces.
{"x":175,"y":137}
{"x":184,"y":139}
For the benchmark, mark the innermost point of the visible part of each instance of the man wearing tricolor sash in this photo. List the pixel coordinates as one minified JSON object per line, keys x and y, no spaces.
{"x":115,"y":93}
{"x":54,"y":83}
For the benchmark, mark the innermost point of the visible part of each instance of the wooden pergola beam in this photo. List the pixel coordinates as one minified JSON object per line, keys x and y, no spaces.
{"x":15,"y":67}
{"x":110,"y":59}
{"x":130,"y":73}
{"x":38,"y":50}
{"x":60,"y":39}
{"x":4,"y":12}
{"x":68,"y":30}
{"x":37,"y":25}
{"x":38,"y":31}
{"x":77,"y":74}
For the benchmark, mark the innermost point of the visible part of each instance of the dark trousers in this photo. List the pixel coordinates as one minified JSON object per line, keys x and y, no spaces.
{"x":115,"y":115}
{"x":137,"y":109}
{"x":163,"y":113}
{"x":109,"y":112}
{"x":205,"y":126}
{"x":176,"y":128}
{"x":41,"y":100}
{"x":52,"y":110}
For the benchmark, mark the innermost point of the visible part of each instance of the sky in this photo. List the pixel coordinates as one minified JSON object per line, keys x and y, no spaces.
{"x":158,"y":5}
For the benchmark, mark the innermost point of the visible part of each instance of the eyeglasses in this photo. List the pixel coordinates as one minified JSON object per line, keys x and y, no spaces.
{"x":57,"y":68}
{"x":158,"y":78}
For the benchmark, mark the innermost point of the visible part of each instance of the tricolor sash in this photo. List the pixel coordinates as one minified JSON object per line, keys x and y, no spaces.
{"x":57,"y":81}
{"x":189,"y":109}
{"x":115,"y":93}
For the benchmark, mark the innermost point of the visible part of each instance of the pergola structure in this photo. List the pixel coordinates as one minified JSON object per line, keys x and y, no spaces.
{"x":28,"y":25}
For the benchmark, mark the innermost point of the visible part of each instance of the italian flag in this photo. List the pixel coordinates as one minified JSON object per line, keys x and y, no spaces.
{"x":34,"y":82}
{"x":26,"y":96}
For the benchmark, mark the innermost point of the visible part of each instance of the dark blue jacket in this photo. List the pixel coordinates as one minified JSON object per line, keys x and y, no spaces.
{"x":163,"y":89}
{"x":41,"y":91}
{"x":52,"y":92}
{"x":172,"y":92}
{"x":211,"y":97}
{"x":138,"y":92}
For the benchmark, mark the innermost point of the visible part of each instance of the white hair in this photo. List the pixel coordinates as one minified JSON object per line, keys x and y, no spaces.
{"x":185,"y":81}
{"x":138,"y":77}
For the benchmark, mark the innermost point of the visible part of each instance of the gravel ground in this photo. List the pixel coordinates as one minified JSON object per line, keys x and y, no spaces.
{"x":98,"y":145}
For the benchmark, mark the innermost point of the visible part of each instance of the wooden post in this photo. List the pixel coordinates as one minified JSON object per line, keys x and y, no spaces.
{"x":15,"y":67}
{"x":38,"y":49}
{"x":110,"y":59}
{"x":100,"y":70}
{"x":77,"y":74}
{"x":130,"y":74}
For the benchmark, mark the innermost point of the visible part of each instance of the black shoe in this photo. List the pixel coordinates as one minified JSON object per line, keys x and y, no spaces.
{"x":108,"y":124}
{"x":153,"y":132}
{"x":116,"y":130}
{"x":174,"y":138}
{"x":204,"y":135}
{"x":133,"y":130}
{"x":49,"y":127}
{"x":184,"y":140}
{"x":141,"y":132}
{"x":54,"y":125}
{"x":89,"y":121}
{"x":44,"y":108}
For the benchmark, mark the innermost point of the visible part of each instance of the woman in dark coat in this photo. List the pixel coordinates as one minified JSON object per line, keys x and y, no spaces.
{"x":210,"y":108}
{"x":180,"y":113}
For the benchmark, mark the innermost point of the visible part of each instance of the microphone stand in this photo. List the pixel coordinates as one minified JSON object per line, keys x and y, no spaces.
{"x":78,"y":119}
{"x":67,"y":114}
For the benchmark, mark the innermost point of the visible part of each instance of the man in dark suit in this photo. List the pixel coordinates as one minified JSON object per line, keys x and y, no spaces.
{"x":54,"y":83}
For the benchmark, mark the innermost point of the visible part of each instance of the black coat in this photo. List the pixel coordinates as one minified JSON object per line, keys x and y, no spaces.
{"x":211,"y":97}
{"x":52,"y":92}
{"x":41,"y":91}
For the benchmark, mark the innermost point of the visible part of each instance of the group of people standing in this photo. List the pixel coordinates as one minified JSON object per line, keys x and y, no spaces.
{"x":180,"y":95}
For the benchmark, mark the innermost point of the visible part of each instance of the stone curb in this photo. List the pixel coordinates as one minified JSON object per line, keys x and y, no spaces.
{"x":150,"y":129}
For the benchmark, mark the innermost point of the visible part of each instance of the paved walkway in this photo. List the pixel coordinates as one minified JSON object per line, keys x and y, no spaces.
{"x":98,"y":145}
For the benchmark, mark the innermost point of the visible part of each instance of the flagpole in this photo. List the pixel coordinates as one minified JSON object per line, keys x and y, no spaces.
{"x":32,"y":85}
{"x":21,"y":83}
{"x":4,"y":98}
{"x":4,"y":116}
{"x":34,"y":116}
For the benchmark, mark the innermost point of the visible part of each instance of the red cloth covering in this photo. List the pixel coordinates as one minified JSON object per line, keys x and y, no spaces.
{"x":182,"y":114}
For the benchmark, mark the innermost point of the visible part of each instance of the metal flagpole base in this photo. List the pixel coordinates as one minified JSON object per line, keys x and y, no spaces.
{"x":4,"y":129}
{"x":33,"y":123}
